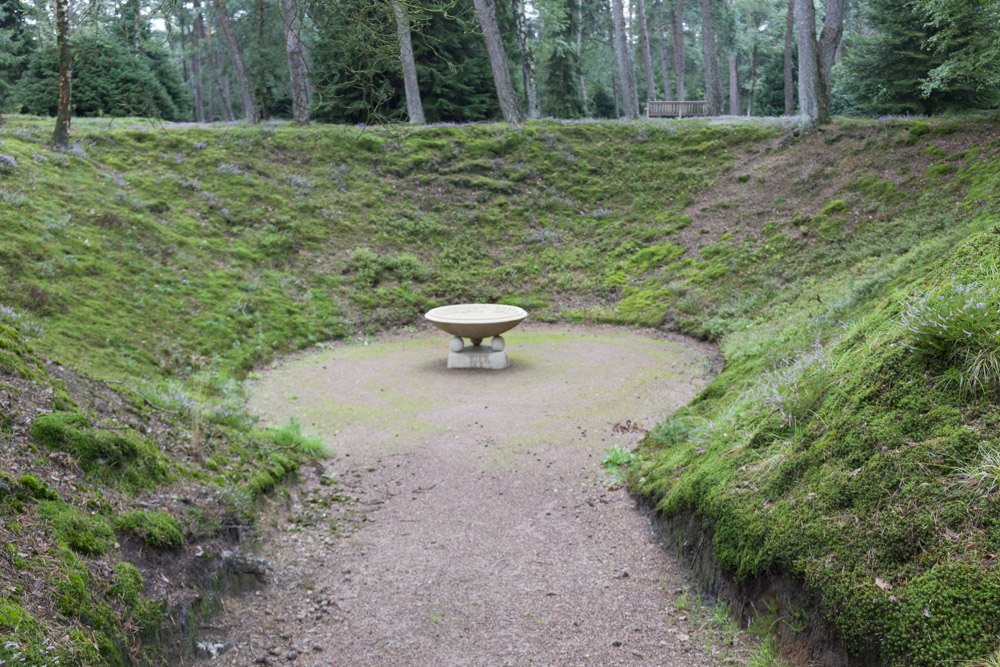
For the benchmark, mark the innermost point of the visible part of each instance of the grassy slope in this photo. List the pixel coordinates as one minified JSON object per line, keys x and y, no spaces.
{"x":826,"y":448}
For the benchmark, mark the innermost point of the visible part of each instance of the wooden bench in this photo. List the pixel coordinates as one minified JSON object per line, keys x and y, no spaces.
{"x":657,"y":109}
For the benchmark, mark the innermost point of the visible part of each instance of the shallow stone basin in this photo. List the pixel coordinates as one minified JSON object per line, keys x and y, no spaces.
{"x":476,"y":320}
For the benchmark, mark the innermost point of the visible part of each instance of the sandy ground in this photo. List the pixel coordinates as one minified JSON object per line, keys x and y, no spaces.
{"x":465,"y":518}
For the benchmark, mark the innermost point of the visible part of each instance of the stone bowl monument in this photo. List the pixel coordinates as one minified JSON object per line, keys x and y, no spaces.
{"x":477,"y":321}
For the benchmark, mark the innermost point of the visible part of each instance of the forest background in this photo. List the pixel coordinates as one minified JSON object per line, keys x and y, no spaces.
{"x":365,"y":61}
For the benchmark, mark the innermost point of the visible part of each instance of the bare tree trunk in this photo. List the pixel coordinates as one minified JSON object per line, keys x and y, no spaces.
{"x":222,"y":86}
{"x":789,"y":79}
{"x":614,"y":92}
{"x":262,"y":83}
{"x":753,"y":79}
{"x":713,"y":80}
{"x":136,"y":26}
{"x":527,"y":60}
{"x":236,"y":56}
{"x":630,"y":99}
{"x":647,"y":58}
{"x":60,"y":137}
{"x":816,"y":58}
{"x":734,"y":87}
{"x":677,"y":20}
{"x":664,"y":61}
{"x":486,"y":12}
{"x":298,"y":62}
{"x":196,"y":36}
{"x":578,"y":10}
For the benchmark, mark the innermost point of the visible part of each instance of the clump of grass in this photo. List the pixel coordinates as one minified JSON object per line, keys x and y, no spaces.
{"x":290,"y":436}
{"x":618,"y":460}
{"x":766,"y":655}
{"x":987,"y":472}
{"x":959,"y":324}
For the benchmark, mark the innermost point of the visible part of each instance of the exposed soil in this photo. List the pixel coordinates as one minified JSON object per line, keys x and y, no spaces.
{"x":465,"y":518}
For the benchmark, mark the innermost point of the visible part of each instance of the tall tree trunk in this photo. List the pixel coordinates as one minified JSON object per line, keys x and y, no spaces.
{"x":222,"y":85}
{"x":816,"y":58}
{"x":298,"y":63}
{"x":753,"y":79}
{"x":578,"y":10}
{"x":236,"y":56}
{"x":626,"y":72}
{"x":486,"y":12}
{"x":527,"y":60}
{"x":647,"y":58}
{"x":677,"y":20}
{"x":664,"y":61}
{"x":713,"y":80}
{"x":614,"y":92}
{"x":136,"y":26}
{"x":789,"y":79}
{"x":734,"y":86}
{"x":262,"y":83}
{"x":196,"y":37}
{"x":60,"y":137}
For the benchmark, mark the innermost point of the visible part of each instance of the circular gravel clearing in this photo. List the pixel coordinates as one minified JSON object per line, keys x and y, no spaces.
{"x":492,"y":535}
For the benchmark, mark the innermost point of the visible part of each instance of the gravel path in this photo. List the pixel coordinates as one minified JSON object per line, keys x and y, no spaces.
{"x":465,"y":518}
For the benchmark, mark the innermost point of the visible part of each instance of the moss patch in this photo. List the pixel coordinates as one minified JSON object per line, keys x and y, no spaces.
{"x":157,"y":529}
{"x":130,"y":459}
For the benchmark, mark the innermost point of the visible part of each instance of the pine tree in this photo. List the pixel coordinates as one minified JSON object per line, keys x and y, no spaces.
{"x":561,"y":97}
{"x":107,"y":81}
{"x":357,"y":73}
{"x":15,"y":48}
{"x":886,"y":72}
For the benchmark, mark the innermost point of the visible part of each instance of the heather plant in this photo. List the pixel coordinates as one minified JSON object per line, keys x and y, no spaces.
{"x":792,"y":386}
{"x":959,"y":325}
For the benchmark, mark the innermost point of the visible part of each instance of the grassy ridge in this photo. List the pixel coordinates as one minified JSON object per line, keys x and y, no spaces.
{"x":851,"y":440}
{"x":844,"y":443}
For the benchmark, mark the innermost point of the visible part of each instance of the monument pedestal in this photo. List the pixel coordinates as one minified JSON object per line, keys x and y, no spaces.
{"x":478,"y":356}
{"x":476,"y":321}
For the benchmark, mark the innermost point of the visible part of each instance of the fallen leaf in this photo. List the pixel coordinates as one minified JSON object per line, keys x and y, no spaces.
{"x":883,"y":584}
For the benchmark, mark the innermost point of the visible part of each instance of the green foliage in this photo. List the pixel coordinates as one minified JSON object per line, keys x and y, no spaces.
{"x":90,"y":535}
{"x":959,"y":324}
{"x":291,"y":437}
{"x":561,"y":92}
{"x":112,"y":455}
{"x":105,"y":609}
{"x":965,"y":43}
{"x":910,"y":62}
{"x":22,"y":636}
{"x":39,"y":489}
{"x":107,"y":81}
{"x":271,"y":474}
{"x":618,"y":458}
{"x":357,"y":69}
{"x":157,"y":529}
{"x":15,"y":46}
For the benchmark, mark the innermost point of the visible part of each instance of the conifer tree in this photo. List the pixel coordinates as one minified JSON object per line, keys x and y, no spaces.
{"x":562,"y":82}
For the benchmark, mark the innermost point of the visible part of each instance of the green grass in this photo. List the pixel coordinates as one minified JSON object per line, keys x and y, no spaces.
{"x":157,"y":529}
{"x":838,"y":446}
